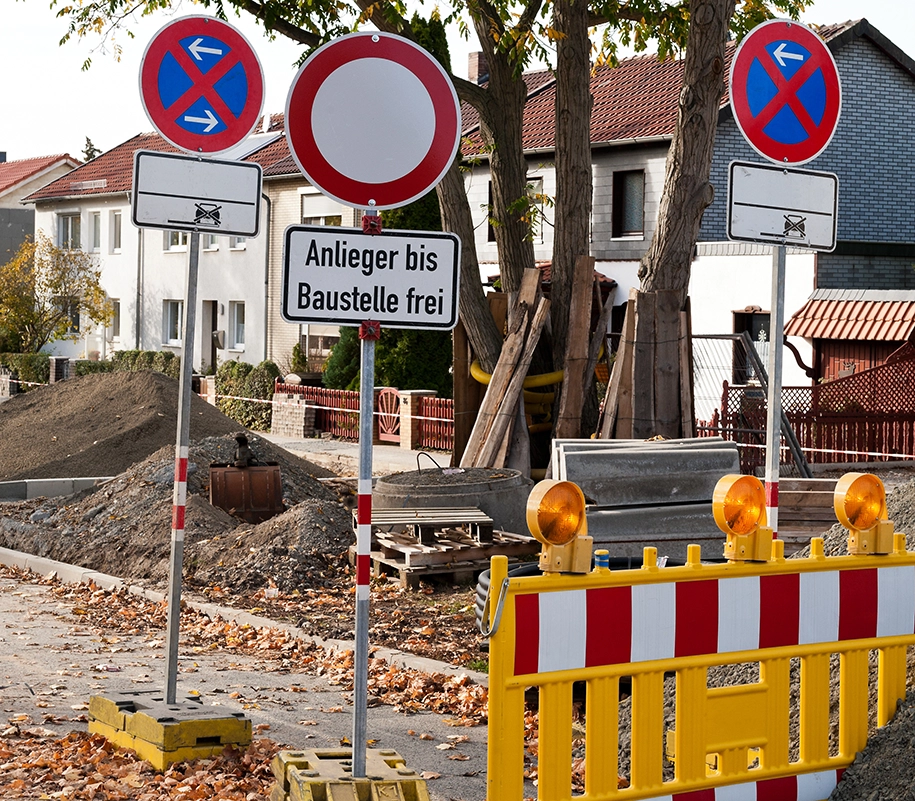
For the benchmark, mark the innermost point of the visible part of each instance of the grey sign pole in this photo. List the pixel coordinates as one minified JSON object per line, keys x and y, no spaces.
{"x":368,"y":333}
{"x":774,"y":404}
{"x":179,"y":502}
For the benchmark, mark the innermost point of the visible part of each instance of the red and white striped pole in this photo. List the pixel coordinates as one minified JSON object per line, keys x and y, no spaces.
{"x":369,"y":333}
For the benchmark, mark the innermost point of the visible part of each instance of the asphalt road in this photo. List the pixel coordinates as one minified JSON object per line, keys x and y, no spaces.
{"x":52,"y":664}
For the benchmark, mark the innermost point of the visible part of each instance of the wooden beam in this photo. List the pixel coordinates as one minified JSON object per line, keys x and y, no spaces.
{"x":643,"y":365}
{"x":512,"y":349}
{"x":568,"y":419}
{"x":618,"y":391}
{"x":667,"y":365}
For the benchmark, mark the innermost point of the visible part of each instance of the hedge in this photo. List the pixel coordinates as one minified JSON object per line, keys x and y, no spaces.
{"x":34,"y":368}
{"x":242,"y":380}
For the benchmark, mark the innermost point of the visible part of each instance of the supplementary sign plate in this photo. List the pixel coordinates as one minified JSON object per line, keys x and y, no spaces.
{"x":184,"y":193}
{"x":781,"y":206}
{"x":402,"y":279}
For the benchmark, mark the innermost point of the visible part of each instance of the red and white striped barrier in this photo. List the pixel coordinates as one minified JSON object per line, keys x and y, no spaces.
{"x":667,"y":620}
{"x":802,"y":787}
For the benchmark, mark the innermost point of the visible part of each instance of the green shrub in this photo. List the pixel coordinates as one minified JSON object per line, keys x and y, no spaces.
{"x":84,"y":367}
{"x":33,"y":368}
{"x":242,"y":380}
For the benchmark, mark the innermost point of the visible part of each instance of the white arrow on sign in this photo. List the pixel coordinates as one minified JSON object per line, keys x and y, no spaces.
{"x":210,"y":121}
{"x":780,"y":55}
{"x":197,"y":48}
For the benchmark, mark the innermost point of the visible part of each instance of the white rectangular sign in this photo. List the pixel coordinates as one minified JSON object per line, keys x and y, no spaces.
{"x":782,"y":206}
{"x":402,"y":279}
{"x":186,"y":193}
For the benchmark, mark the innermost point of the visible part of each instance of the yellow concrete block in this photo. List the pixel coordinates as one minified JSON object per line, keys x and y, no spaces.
{"x":156,"y":757}
{"x":326,"y":775}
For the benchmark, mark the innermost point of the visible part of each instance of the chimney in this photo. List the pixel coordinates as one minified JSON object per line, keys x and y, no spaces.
{"x":477,"y":68}
{"x":2,"y":156}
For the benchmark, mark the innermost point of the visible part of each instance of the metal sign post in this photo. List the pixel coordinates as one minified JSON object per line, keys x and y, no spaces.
{"x":179,"y":501}
{"x":369,"y":332}
{"x":774,"y":404}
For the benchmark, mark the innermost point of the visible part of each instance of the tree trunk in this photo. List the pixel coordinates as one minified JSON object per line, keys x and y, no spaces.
{"x":665,"y":268}
{"x":573,"y":165}
{"x":485,"y":338}
{"x":501,"y":117}
{"x":687,"y":189}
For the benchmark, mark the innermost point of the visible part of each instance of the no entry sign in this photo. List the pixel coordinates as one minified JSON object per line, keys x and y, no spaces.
{"x":785,"y":92}
{"x":202,"y":85}
{"x":372,"y":120}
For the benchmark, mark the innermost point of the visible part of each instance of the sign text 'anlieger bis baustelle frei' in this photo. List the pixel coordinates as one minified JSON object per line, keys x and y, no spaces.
{"x":402,"y":279}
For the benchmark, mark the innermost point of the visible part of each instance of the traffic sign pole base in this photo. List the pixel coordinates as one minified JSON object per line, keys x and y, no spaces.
{"x":328,"y":773}
{"x":164,"y":733}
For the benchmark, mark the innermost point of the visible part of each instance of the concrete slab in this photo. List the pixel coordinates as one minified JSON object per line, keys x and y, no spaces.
{"x":649,"y":475}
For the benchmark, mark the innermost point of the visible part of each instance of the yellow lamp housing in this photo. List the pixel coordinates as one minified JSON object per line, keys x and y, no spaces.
{"x":556,"y":518}
{"x":859,"y":501}
{"x":739,"y":508}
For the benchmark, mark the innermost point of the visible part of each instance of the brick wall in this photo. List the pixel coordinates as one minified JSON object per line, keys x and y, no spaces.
{"x":293,"y":416}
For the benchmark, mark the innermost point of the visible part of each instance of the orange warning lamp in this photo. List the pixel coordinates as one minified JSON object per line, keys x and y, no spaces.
{"x":859,"y":500}
{"x":556,"y":517}
{"x":739,"y":507}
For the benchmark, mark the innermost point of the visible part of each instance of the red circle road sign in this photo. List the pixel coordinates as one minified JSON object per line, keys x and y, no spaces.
{"x":372,"y":120}
{"x":785,"y":92}
{"x":202,"y":84}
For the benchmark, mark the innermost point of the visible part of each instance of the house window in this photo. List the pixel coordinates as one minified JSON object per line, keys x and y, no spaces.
{"x":237,"y":323}
{"x":115,"y":318}
{"x":172,"y":321}
{"x":176,"y":240}
{"x":115,"y":232}
{"x":68,"y":231}
{"x":96,"y":231}
{"x":70,"y":308}
{"x":209,"y":242}
{"x":628,"y":211}
{"x":328,"y":219}
{"x":237,"y":242}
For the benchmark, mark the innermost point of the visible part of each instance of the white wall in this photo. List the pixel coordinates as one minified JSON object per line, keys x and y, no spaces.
{"x":143,"y":273}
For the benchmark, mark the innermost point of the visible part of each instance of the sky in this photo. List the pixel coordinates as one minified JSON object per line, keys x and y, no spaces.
{"x":48,"y":105}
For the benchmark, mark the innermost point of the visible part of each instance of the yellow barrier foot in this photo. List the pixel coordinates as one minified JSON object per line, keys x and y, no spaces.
{"x":164,"y":733}
{"x":327,"y":775}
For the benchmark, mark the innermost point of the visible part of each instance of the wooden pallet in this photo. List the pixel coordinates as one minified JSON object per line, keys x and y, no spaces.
{"x":422,"y":522}
{"x":454,"y":554}
{"x":805,"y":510}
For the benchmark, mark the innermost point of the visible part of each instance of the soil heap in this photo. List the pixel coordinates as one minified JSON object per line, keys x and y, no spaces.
{"x":97,"y":425}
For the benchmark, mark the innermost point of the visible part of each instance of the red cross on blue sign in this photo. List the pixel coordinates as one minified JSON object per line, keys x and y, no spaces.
{"x":785,"y":92}
{"x":202,"y":85}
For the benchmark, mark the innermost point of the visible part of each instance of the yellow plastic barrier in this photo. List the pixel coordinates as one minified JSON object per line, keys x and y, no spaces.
{"x":651,"y":623}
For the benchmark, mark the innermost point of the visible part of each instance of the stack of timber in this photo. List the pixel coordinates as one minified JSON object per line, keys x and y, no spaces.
{"x":805,"y":510}
{"x":491,"y":439}
{"x":453,"y":543}
{"x":649,"y":492}
{"x":655,"y":355}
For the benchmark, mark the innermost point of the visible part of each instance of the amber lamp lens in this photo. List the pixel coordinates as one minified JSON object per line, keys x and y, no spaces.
{"x":865,"y":502}
{"x":744,"y":505}
{"x":560,"y":514}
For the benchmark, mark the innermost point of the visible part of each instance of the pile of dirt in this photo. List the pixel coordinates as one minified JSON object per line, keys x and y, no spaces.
{"x":97,"y":425}
{"x":123,"y":526}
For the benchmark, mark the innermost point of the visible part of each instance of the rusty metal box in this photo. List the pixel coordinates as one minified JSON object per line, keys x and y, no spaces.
{"x":252,"y":493}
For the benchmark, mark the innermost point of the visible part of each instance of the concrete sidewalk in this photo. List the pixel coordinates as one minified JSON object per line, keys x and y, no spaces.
{"x":343,"y":457}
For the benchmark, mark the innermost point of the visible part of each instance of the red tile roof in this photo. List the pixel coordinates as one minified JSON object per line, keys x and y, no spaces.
{"x":636,"y":100}
{"x":110,"y":173}
{"x":855,"y":314}
{"x":13,"y":173}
